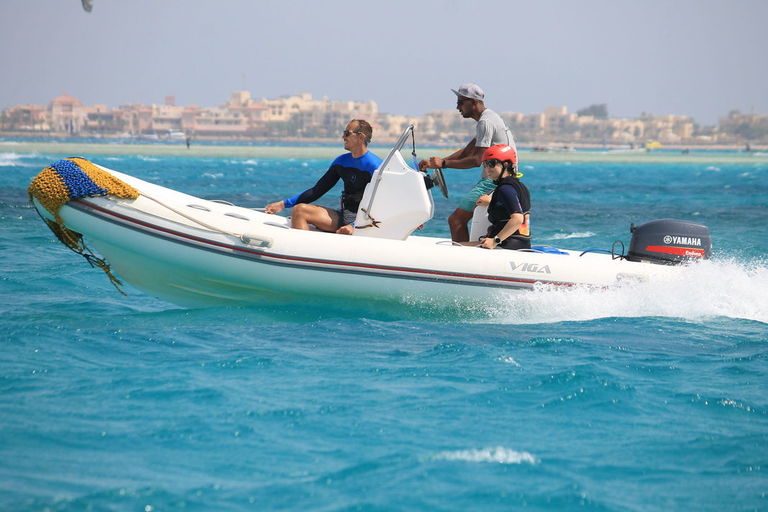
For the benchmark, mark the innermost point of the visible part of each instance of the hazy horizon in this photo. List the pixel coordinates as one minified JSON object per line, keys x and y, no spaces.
{"x":695,"y":58}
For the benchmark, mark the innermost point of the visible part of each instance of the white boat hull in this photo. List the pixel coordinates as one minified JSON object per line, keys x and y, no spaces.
{"x":192,"y":252}
{"x":195,"y":252}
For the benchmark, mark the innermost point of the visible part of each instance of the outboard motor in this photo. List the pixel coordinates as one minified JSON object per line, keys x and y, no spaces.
{"x":669,"y":242}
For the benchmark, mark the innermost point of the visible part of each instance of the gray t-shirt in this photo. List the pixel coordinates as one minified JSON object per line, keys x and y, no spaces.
{"x":491,"y":130}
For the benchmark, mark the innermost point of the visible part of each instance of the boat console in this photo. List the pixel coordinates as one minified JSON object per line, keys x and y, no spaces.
{"x":396,"y":201}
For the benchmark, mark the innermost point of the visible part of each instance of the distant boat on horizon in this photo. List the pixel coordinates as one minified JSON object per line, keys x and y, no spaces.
{"x":176,"y":135}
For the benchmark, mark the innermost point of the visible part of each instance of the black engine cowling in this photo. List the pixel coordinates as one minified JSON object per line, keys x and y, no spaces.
{"x":669,"y":242}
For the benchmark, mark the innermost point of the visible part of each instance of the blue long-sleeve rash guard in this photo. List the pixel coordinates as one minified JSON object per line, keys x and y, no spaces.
{"x":356,"y":173}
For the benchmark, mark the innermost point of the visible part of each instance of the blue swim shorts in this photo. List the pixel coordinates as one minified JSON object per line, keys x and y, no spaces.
{"x":484,"y":186}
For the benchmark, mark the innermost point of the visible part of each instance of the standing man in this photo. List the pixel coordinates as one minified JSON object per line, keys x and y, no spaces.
{"x":490,"y":131}
{"x":354,"y":169}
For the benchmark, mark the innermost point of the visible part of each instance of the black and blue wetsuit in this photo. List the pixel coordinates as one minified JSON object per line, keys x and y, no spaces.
{"x":356,"y":173}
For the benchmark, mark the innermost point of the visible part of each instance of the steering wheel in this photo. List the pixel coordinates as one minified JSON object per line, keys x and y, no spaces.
{"x":439,"y":180}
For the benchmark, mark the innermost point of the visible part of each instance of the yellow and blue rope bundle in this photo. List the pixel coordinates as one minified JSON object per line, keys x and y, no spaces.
{"x":73,"y":178}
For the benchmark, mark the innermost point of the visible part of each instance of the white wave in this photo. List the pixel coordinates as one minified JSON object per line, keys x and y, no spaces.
{"x":10,"y":159}
{"x":148,"y":158}
{"x":566,"y":236}
{"x":498,"y":454}
{"x":509,"y":360}
{"x":213,"y":175}
{"x":707,"y":289}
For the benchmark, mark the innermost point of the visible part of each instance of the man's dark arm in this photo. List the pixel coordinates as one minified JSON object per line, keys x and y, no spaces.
{"x":323,"y":185}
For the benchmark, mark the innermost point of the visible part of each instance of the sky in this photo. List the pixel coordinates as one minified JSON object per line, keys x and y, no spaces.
{"x":700,"y":58}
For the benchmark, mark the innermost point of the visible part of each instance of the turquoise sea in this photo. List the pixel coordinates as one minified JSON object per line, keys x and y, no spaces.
{"x":644,"y":398}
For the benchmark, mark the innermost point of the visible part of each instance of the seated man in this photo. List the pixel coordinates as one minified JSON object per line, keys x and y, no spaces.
{"x":354,"y":169}
{"x":490,"y":130}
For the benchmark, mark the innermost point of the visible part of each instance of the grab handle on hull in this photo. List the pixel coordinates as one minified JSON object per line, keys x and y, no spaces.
{"x":256,"y":240}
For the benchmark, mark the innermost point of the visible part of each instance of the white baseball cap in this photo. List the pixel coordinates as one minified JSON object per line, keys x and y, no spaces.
{"x":471,"y":91}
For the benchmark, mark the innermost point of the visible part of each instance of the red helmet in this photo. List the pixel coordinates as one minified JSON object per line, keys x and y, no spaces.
{"x":501,"y":152}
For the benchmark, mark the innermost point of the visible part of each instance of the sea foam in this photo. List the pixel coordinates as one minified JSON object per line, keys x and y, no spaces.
{"x":497,"y":454}
{"x":704,"y":290}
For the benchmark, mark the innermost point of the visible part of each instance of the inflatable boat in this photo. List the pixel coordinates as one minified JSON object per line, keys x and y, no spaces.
{"x":196,"y":252}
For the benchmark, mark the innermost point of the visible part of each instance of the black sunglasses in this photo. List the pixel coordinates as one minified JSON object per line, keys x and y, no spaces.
{"x":347,"y":133}
{"x":492,"y":163}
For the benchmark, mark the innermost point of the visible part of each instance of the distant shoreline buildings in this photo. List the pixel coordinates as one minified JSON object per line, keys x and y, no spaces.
{"x":301,"y":117}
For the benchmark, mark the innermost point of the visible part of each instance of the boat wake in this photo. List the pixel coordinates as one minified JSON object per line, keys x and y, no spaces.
{"x":709,"y":289}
